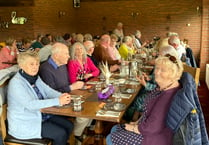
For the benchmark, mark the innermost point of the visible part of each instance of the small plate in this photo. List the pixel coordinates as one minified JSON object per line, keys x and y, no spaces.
{"x":119,"y":106}
{"x":114,"y":106}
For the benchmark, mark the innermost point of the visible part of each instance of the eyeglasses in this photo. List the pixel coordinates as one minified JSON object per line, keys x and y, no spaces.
{"x":171,"y":58}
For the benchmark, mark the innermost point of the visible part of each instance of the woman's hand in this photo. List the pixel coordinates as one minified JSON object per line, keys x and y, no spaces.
{"x":141,"y":80}
{"x":64,"y":99}
{"x":132,"y":128}
{"x":147,"y":78}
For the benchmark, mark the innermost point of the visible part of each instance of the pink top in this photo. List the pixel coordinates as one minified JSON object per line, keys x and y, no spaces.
{"x":6,"y":55}
{"x":76,"y":71}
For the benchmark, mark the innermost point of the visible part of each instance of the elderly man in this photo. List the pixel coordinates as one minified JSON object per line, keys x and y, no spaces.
{"x":89,"y":45}
{"x":101,"y":53}
{"x":175,"y":42}
{"x":54,"y":73}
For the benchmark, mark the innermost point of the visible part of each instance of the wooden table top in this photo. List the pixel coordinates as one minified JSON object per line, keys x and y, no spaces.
{"x":91,"y":105}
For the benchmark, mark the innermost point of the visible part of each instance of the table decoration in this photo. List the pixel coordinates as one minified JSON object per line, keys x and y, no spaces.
{"x":106,"y":72}
{"x":105,"y":93}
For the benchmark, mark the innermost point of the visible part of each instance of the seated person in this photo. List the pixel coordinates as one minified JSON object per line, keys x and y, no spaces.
{"x":37,"y":44}
{"x":102,"y":53}
{"x":26,"y":45}
{"x":25,"y":120}
{"x":54,"y":73}
{"x":8,"y":53}
{"x":45,"y":51}
{"x":89,"y":45}
{"x":148,"y":83}
{"x":126,"y":49}
{"x":151,"y":128}
{"x":80,"y":67}
{"x":115,"y":55}
{"x":137,"y":41}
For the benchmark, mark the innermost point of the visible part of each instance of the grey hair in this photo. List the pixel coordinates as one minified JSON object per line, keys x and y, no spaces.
{"x":169,"y":34}
{"x":174,"y":40}
{"x":119,"y":24}
{"x":88,"y":44}
{"x":127,"y":39}
{"x":73,"y":48}
{"x":21,"y":59}
{"x":137,"y":32}
{"x":87,"y":37}
{"x":56,"y":47}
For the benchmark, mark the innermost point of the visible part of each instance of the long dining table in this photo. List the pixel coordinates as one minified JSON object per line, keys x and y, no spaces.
{"x":92,"y":104}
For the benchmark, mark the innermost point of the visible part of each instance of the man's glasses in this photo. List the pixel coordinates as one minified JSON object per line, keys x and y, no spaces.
{"x":171,"y":58}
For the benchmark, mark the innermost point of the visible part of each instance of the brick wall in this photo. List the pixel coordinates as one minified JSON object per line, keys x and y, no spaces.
{"x":42,"y":18}
{"x":151,"y":17}
{"x":204,"y":38}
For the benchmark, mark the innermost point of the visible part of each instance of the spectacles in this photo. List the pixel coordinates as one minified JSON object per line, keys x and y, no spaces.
{"x":171,"y":58}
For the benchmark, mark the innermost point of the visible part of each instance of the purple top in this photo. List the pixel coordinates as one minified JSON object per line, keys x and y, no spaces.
{"x":75,"y":71}
{"x":152,"y":126}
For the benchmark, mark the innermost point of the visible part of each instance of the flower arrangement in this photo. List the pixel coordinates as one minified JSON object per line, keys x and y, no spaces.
{"x":105,"y":71}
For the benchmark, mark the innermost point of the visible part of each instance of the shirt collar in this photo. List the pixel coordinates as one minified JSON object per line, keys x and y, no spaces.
{"x":52,"y":62}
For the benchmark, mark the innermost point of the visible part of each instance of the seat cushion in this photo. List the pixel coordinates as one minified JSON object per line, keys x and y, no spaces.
{"x":43,"y":141}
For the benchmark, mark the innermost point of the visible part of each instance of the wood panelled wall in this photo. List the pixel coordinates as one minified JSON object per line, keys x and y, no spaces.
{"x":152,"y":17}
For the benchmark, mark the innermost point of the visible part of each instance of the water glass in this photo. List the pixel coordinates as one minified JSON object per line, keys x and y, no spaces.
{"x":117,"y":93}
{"x":77,"y":104}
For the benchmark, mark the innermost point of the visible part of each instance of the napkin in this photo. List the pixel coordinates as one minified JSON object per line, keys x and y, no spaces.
{"x":107,"y":113}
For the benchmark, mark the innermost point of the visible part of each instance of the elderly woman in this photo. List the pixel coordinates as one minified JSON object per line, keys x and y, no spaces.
{"x":151,"y":128}
{"x":80,"y":66}
{"x":148,"y":82}
{"x":8,"y":53}
{"x":126,"y":48}
{"x":25,"y":119}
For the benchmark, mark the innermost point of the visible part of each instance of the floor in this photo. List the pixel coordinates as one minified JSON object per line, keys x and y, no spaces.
{"x":203,"y":93}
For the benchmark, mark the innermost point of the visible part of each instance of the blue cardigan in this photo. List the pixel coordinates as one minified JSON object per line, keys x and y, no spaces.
{"x":24,"y":116}
{"x":185,"y":109}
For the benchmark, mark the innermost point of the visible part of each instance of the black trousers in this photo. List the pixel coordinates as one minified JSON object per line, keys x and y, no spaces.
{"x":57,"y":128}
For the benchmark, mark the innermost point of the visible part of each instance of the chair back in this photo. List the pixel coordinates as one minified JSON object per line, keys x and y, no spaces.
{"x":195,"y":72}
{"x":3,"y":121}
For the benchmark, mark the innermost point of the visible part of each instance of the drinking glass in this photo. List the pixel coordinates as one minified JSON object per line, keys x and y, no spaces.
{"x":117,"y":93}
{"x":77,"y":104}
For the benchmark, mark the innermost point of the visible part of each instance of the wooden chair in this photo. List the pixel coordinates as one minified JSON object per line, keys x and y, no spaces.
{"x":195,"y":72}
{"x":10,"y":140}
